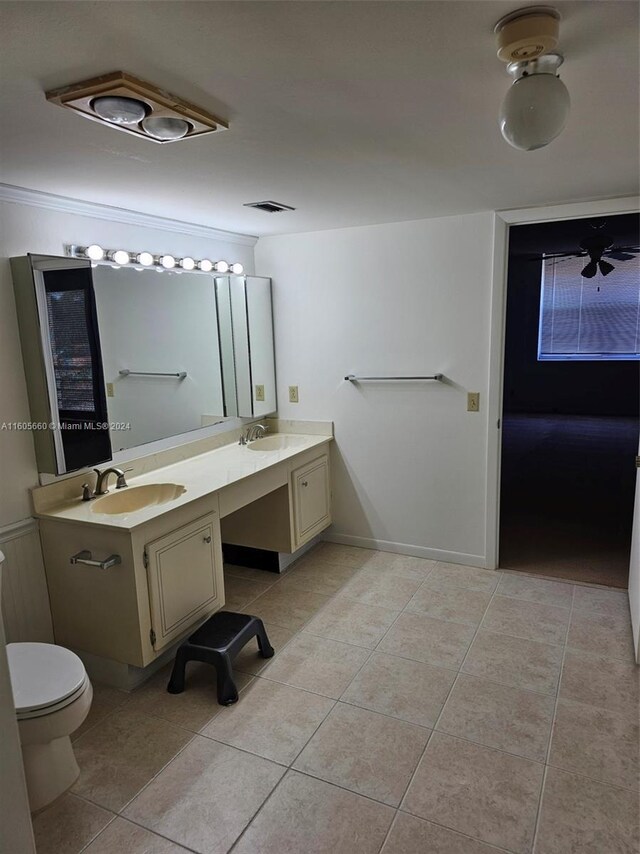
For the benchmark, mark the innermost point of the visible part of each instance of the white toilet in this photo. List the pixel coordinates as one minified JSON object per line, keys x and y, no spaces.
{"x":52,"y":695}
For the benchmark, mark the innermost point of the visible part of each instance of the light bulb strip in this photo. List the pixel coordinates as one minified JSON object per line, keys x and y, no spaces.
{"x":151,"y":261}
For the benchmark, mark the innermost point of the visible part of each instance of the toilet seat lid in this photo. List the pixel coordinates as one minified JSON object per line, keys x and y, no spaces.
{"x":43,"y":674}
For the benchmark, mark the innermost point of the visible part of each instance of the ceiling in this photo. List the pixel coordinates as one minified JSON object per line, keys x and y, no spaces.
{"x":352,"y":112}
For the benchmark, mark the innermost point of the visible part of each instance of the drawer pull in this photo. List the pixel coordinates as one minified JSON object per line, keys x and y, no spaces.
{"x":305,"y":483}
{"x":206,"y":539}
{"x":85,"y":558}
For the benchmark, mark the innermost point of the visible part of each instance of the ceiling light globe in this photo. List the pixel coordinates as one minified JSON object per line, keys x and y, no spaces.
{"x":119,"y":110}
{"x":237,"y":269}
{"x":222,"y":267}
{"x":145,"y":258}
{"x":94,"y":252}
{"x":188,"y":264}
{"x":165,"y":128}
{"x":205,"y":265}
{"x":121,"y":257}
{"x":168,"y":262}
{"x":534,"y":111}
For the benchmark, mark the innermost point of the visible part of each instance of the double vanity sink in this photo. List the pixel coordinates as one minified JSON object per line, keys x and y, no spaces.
{"x":167,"y":528}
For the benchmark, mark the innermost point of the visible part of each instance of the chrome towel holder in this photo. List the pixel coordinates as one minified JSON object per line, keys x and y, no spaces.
{"x":352,"y":378}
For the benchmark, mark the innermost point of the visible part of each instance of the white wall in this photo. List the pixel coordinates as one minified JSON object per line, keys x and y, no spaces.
{"x":408,"y":298}
{"x":24,"y":228}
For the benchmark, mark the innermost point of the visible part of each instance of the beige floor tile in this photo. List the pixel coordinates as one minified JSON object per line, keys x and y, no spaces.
{"x":240,"y":592}
{"x":437,"y":642}
{"x":249,"y":659}
{"x":581,"y":816}
{"x":290,"y":609}
{"x":352,"y":622}
{"x":602,"y":682}
{"x":600,"y":600}
{"x":409,"y":690}
{"x":122,"y":753}
{"x":531,"y":620}
{"x":105,"y":700}
{"x":450,"y":603}
{"x":484,"y":793}
{"x":536,"y":590}
{"x":499,"y":716}
{"x":67,"y":826}
{"x":515,"y":661}
{"x":370,"y":754}
{"x":272,"y":720}
{"x":206,"y":797}
{"x":469,"y":577}
{"x":400,"y":566}
{"x":411,"y":835}
{"x":192,"y":709}
{"x":249,"y":574}
{"x":375,"y":587}
{"x":316,"y":576}
{"x":345,"y":555}
{"x":317,"y":664}
{"x":307,"y":816}
{"x":122,"y":836}
{"x":596,"y":743}
{"x":608,"y":635}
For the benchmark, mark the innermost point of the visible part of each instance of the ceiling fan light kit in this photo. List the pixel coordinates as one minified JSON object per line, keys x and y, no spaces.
{"x":536,"y":107}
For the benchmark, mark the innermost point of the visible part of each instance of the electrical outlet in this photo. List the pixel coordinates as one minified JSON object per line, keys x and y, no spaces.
{"x":259,"y":392}
{"x":473,"y":401}
{"x":110,"y":391}
{"x":293,"y":394}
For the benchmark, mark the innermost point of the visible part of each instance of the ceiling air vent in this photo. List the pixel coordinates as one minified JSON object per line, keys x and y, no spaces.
{"x":269,"y":206}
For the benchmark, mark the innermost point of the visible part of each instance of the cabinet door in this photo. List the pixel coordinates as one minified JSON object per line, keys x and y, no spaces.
{"x":311,"y":499}
{"x":184,"y":570}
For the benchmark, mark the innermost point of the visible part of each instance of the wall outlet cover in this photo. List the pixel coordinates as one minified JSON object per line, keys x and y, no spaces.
{"x":473,"y":401}
{"x":293,"y":394}
{"x":259,"y":392}
{"x":110,"y":390}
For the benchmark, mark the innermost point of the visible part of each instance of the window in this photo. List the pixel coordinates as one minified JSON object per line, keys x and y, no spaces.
{"x":589,"y":319}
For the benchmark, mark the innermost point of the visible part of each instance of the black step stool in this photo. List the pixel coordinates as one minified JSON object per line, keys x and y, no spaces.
{"x":217,"y":642}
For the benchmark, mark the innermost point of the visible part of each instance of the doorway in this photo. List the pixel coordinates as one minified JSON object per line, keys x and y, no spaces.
{"x":571,"y":400}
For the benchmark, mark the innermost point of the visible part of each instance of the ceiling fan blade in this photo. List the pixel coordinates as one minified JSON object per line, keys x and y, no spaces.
{"x":605,"y":267}
{"x":621,"y":256}
{"x":590,"y":270}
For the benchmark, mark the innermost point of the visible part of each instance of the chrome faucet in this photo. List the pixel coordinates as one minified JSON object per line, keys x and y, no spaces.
{"x":254,"y":431}
{"x":102,"y":481}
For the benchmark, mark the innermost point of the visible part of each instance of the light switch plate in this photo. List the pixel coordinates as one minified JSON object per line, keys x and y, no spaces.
{"x":110,"y":391}
{"x":293,"y":394}
{"x":473,"y":401}
{"x":259,"y":392}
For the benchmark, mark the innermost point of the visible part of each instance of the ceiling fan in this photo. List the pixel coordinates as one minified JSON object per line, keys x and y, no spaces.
{"x":598,"y":246}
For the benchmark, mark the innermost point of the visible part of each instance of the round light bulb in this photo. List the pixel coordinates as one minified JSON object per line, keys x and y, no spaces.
{"x":222,"y":267}
{"x":237,"y":269}
{"x":145,"y":258}
{"x":95,"y":252}
{"x":534,"y":111}
{"x":165,"y":128}
{"x":188,"y":264}
{"x":168,"y":262}
{"x":205,"y":265}
{"x":119,"y":110}
{"x":121,"y":257}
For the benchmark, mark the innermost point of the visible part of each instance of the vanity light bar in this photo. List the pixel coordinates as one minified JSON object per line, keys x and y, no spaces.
{"x":123,"y":258}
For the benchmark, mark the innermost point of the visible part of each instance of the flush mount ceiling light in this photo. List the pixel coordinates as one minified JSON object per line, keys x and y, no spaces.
{"x":123,"y":258}
{"x":126,"y":103}
{"x":536,"y":107}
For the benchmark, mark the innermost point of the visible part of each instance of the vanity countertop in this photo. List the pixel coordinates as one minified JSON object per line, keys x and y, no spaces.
{"x":200,"y":475}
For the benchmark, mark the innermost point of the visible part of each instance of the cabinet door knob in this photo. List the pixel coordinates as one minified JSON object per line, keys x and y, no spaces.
{"x":207,"y":539}
{"x":305,"y":483}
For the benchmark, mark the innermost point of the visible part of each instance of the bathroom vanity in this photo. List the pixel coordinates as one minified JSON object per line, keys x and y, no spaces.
{"x":126,"y":582}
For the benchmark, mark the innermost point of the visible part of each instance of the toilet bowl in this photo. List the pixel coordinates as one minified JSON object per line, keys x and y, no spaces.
{"x":52,"y":695}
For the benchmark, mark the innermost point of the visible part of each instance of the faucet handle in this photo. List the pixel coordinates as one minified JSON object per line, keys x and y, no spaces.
{"x":87,"y":492}
{"x":121,"y":483}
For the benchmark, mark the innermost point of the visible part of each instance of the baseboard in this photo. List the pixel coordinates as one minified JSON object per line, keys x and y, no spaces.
{"x":406,"y":549}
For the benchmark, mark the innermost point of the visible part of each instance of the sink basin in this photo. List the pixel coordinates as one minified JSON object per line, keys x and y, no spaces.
{"x":276,"y":443}
{"x":136,"y":497}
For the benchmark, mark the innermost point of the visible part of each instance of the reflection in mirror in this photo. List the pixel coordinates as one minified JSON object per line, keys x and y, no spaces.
{"x":161,"y":328}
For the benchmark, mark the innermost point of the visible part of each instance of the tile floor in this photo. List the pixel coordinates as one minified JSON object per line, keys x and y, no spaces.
{"x":412,"y":707}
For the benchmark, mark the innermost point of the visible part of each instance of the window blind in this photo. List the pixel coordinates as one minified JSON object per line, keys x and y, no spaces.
{"x":71,"y":350}
{"x":589,"y":319}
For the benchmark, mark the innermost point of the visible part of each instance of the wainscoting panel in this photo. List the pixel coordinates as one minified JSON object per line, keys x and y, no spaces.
{"x":25,"y":597}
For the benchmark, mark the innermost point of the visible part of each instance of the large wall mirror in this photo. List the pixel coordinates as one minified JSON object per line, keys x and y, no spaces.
{"x":117,"y":357}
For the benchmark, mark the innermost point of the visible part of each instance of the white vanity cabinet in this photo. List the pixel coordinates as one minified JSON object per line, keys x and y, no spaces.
{"x":311,"y":500}
{"x":184,"y":572}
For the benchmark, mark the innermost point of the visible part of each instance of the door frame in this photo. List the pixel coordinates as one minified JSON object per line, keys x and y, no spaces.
{"x":502,"y":221}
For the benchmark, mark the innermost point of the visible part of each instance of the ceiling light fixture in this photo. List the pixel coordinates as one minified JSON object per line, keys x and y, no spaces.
{"x":536,"y":107}
{"x":122,"y":101}
{"x":121,"y":257}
